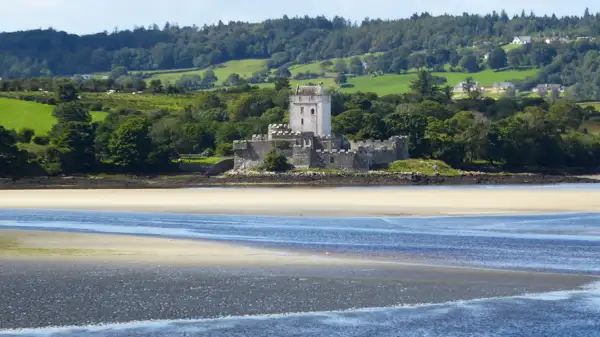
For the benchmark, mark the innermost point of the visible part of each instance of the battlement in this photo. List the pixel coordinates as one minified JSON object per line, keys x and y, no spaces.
{"x":379,"y":144}
{"x":335,"y":151}
{"x":286,"y":133}
{"x":279,"y":126}
{"x":260,"y":137}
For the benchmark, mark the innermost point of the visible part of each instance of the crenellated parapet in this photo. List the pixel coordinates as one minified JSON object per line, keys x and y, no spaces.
{"x":260,"y":137}
{"x":336,"y":151}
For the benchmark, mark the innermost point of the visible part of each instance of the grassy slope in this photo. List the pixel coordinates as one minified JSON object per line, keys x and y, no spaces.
{"x":16,"y":114}
{"x":509,"y":47}
{"x":244,"y":68}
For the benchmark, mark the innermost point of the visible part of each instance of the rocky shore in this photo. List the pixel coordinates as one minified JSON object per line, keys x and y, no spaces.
{"x":283,"y":179}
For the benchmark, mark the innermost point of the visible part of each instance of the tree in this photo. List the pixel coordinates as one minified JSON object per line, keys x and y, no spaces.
{"x":140,"y":85}
{"x":356,"y":66}
{"x":424,"y":86}
{"x":71,"y":112}
{"x":469,"y":63}
{"x":341,"y":66}
{"x":566,"y":115}
{"x":131,"y":145}
{"x":341,"y":79}
{"x":25,"y":135}
{"x":347,"y":123}
{"x":156,"y":86}
{"x":275,"y":162}
{"x":12,"y":159}
{"x":209,"y":79}
{"x":66,"y":93}
{"x":325,"y":65}
{"x":233,"y":79}
{"x":76,"y":139}
{"x":283,"y":72}
{"x":282,"y":83}
{"x":497,"y":58}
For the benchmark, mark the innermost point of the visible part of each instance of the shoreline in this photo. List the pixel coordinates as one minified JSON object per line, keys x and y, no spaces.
{"x":288,"y":180}
{"x":310,"y":202}
{"x":171,"y":279}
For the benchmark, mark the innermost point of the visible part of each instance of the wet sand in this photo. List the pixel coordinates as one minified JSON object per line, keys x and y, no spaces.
{"x":58,"y":279}
{"x":310,"y":202}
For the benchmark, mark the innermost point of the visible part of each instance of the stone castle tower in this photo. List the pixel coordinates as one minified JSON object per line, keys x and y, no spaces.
{"x":307,"y":141}
{"x":310,"y":111}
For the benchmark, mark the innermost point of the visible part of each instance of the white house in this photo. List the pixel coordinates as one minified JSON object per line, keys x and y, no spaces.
{"x":502,"y":86}
{"x":522,"y":40}
{"x":460,"y":87}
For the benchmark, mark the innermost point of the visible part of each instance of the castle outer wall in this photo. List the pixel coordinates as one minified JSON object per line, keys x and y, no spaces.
{"x":305,"y":150}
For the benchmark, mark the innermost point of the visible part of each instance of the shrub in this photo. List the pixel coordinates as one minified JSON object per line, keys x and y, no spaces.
{"x":96,"y":106}
{"x":424,"y":166}
{"x":275,"y":162}
{"x":225,"y":149}
{"x":25,"y":135}
{"x":41,"y":140}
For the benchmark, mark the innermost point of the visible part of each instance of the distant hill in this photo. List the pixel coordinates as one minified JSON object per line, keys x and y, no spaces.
{"x":282,"y":42}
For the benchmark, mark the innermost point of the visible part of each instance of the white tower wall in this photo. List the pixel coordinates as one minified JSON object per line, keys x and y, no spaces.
{"x":310,"y":111}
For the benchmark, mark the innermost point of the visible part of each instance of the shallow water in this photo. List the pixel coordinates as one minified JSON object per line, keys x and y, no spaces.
{"x":567,"y":243}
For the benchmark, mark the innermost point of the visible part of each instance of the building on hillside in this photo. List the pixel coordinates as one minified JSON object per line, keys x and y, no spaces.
{"x":561,"y":40}
{"x":307,"y":141}
{"x":546,"y":88}
{"x":502,"y":86}
{"x":460,"y":87}
{"x":522,"y":40}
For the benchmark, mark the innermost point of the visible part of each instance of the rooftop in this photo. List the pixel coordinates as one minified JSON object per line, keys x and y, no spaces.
{"x":310,"y":90}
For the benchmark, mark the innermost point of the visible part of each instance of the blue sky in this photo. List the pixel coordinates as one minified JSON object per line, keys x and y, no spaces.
{"x":86,"y":16}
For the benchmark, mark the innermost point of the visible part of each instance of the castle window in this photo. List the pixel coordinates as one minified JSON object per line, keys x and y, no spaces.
{"x":331,"y":159}
{"x":312,"y":111}
{"x":301,"y":109}
{"x":302,"y":121}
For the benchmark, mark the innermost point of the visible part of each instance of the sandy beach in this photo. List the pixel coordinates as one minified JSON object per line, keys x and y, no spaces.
{"x":57,"y":279}
{"x":310,"y":202}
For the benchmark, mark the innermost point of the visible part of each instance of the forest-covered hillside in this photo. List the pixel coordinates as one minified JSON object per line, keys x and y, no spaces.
{"x":282,"y":41}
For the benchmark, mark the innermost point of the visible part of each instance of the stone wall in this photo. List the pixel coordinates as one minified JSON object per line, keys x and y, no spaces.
{"x":344,"y":160}
{"x":308,"y":151}
{"x":251,"y":153}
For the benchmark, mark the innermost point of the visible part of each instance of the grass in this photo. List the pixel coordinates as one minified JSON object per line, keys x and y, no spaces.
{"x":245,"y":68}
{"x":509,"y":47}
{"x":423,"y":166}
{"x":396,"y":84}
{"x":205,"y":160}
{"x":16,"y":114}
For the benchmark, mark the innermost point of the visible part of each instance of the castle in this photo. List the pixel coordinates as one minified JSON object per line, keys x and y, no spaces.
{"x":307,"y":141}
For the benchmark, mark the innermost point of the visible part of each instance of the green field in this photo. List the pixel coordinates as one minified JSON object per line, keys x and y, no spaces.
{"x":382,"y":85}
{"x":17,"y":114}
{"x":244,"y":68}
{"x":509,"y":47}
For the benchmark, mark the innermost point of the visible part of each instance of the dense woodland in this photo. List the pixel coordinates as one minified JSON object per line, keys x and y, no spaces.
{"x":442,"y":43}
{"x":282,"y":41}
{"x":515,"y":134}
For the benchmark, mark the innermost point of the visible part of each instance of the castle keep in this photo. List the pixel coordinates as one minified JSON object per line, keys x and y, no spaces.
{"x":307,"y":141}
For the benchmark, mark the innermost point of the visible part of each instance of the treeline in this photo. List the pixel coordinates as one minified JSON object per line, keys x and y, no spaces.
{"x":283,"y":41}
{"x":528,"y":134}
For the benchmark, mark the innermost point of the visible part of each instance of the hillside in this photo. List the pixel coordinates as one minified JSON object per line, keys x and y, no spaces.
{"x":17,"y":114}
{"x":283,"y":42}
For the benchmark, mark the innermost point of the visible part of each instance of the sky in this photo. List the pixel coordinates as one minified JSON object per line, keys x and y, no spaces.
{"x":91,"y":16}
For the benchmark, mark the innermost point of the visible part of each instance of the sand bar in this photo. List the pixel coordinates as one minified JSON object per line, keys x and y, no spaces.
{"x":57,"y":279}
{"x":310,"y":202}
